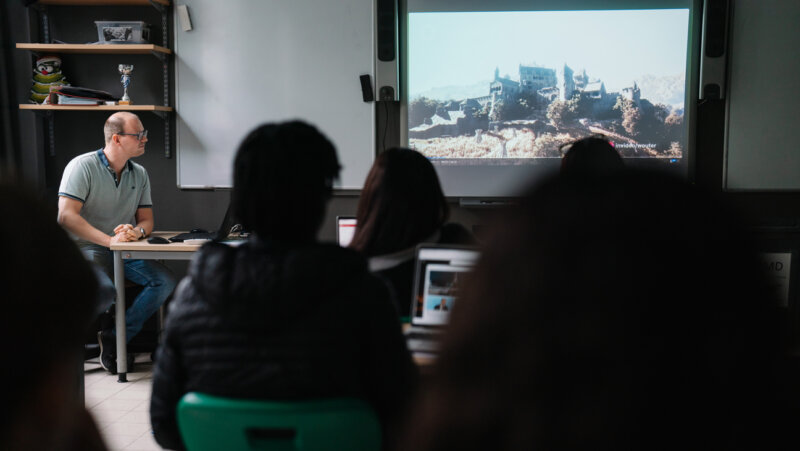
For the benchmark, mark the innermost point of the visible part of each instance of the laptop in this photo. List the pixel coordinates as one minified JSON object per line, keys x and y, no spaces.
{"x":439,"y":275}
{"x":345,"y":228}
{"x":227,"y":230}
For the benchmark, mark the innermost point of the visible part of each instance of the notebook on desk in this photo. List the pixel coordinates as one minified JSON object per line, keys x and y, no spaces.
{"x":225,"y":230}
{"x":439,"y":275}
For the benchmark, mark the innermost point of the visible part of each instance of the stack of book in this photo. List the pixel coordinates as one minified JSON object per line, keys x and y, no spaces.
{"x":74,"y":95}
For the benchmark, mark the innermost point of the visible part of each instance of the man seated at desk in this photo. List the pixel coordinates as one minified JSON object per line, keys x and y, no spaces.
{"x":104,"y":198}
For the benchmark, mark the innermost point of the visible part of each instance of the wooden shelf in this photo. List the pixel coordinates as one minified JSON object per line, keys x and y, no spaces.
{"x":160,"y":52}
{"x":101,"y":2}
{"x":119,"y":49}
{"x":25,"y":106}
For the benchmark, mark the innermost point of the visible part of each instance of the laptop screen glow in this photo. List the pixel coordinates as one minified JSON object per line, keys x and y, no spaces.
{"x":438,"y":280}
{"x":345,"y":228}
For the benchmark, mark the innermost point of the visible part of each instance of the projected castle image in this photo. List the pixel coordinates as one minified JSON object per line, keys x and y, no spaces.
{"x":530,"y":117}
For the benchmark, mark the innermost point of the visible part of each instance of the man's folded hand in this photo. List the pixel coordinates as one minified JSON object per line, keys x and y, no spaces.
{"x":121,"y":237}
{"x":122,"y":227}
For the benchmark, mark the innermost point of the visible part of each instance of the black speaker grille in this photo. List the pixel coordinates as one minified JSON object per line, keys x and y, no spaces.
{"x":386,"y":32}
{"x":716,"y":18}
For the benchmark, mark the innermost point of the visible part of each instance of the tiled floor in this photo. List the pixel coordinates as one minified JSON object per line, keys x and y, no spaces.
{"x":122,"y":411}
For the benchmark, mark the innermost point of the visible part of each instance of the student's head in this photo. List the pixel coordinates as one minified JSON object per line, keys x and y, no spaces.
{"x":623,"y":313}
{"x":283,"y":176}
{"x":48,"y":302}
{"x":402,"y":203}
{"x":593,"y":156}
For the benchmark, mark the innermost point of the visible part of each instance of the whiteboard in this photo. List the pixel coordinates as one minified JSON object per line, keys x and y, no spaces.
{"x":247,"y":62}
{"x":762,"y":149}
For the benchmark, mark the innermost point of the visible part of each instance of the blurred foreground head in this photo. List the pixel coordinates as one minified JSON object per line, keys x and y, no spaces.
{"x":48,"y":302}
{"x":591,"y":156}
{"x":623,"y":313}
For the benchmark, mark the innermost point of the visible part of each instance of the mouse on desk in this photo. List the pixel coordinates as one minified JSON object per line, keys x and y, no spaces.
{"x":158,"y":240}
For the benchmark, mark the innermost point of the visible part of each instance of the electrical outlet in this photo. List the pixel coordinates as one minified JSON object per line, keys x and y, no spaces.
{"x":386,"y":93}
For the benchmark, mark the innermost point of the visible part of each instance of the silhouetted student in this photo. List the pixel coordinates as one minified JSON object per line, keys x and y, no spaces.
{"x":49,"y":299}
{"x":627,"y":313}
{"x":402,"y":205}
{"x":281,"y":316}
{"x":593,"y":156}
{"x":442,"y":305}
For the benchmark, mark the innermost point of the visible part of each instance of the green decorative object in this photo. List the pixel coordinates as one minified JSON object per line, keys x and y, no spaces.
{"x":46,"y":75}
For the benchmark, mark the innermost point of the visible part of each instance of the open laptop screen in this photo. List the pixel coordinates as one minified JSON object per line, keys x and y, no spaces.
{"x":224,"y":231}
{"x":438,"y":281}
{"x":345,"y":228}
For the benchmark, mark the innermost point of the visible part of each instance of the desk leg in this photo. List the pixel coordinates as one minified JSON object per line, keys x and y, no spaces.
{"x":122,"y":351}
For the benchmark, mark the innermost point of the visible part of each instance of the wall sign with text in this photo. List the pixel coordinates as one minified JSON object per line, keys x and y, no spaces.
{"x":777,"y":266}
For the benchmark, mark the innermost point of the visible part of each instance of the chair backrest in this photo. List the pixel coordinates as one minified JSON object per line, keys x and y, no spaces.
{"x":212,"y":423}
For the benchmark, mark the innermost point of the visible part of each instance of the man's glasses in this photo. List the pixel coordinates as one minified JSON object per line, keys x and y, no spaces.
{"x":140,"y":136}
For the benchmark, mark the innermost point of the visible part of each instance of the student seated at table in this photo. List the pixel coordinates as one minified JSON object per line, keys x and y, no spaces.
{"x":281,"y":316}
{"x":49,"y":298}
{"x":402,"y":205}
{"x":623,"y":312}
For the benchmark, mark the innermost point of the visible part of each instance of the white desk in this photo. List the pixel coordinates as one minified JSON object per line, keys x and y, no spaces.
{"x":140,"y":250}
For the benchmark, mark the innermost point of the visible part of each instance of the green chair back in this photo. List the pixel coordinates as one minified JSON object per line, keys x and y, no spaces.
{"x":213,"y":423}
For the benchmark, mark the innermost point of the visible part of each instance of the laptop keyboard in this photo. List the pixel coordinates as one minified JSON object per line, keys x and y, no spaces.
{"x":193,"y":236}
{"x":423,"y":339}
{"x":422,"y":344}
{"x":422,"y":332}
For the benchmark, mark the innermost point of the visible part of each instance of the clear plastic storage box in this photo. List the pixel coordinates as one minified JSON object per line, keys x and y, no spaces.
{"x":133,"y":32}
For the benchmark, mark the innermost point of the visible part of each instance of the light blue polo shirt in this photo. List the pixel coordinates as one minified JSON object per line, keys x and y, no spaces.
{"x":107,"y":202}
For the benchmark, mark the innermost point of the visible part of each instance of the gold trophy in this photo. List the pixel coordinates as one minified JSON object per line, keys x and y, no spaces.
{"x":125,"y":70}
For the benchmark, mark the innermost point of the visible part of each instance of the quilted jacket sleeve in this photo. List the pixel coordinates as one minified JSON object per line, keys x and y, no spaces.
{"x":168,"y":376}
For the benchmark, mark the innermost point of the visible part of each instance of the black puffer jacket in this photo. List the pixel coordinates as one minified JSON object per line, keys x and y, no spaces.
{"x":260,"y":321}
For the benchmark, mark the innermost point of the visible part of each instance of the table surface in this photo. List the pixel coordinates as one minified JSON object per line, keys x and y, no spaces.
{"x":423,"y":360}
{"x":143,"y":245}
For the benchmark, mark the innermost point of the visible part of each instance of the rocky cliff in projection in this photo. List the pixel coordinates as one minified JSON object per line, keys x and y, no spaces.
{"x":531,"y":114}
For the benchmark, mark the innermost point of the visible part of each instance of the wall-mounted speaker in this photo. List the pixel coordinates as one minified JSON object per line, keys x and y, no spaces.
{"x":713,"y":63}
{"x":386,"y":64}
